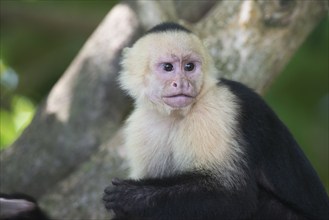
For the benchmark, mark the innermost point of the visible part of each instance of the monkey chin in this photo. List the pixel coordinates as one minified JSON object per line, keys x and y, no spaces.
{"x":177,"y":106}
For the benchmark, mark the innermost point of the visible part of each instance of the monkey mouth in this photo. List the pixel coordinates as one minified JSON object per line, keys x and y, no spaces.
{"x":178,"y":95}
{"x":178,"y":100}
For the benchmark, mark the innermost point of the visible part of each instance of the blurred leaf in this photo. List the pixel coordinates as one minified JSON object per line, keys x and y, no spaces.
{"x":7,"y":129}
{"x":13,"y":123}
{"x":23,"y":112}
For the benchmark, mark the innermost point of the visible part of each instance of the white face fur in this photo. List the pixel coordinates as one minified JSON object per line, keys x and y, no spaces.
{"x":166,"y":70}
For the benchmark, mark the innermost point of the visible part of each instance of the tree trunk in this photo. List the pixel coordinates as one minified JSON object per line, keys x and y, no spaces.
{"x":73,"y":147}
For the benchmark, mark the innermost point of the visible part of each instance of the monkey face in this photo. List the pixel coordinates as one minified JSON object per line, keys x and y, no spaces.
{"x":174,"y":79}
{"x":166,"y":70}
{"x":175,"y":70}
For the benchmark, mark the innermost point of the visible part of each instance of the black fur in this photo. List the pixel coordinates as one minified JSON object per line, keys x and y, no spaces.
{"x":284,"y":176}
{"x":168,"y":26}
{"x":188,"y":196}
{"x":34,"y":214}
{"x":281,"y":183}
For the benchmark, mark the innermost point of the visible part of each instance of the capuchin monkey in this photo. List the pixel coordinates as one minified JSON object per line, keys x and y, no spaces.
{"x":205,"y":148}
{"x":20,"y":207}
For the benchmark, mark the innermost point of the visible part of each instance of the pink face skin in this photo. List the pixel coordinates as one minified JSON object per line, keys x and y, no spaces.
{"x":179,"y":77}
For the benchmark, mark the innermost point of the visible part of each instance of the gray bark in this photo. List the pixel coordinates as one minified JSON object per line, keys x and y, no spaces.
{"x":73,"y":147}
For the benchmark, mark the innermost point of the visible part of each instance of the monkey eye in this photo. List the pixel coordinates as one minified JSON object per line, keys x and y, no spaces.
{"x":168,"y":67}
{"x":189,"y":67}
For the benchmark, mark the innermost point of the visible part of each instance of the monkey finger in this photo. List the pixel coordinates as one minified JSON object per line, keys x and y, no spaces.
{"x":116,"y":181}
{"x":117,"y":209}
{"x":110,"y":189}
{"x":119,"y":212}
{"x":111,"y":205}
{"x":106,"y":198}
{"x":111,"y":197}
{"x":112,"y":194}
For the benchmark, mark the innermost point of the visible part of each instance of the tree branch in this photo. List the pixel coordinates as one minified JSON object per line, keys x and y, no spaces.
{"x":83,"y":110}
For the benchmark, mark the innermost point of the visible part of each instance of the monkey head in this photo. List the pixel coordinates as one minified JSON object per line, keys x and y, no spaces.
{"x":166,"y":70}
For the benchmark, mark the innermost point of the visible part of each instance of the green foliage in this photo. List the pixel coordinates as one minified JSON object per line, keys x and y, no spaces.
{"x":13,"y":122}
{"x":16,"y":111}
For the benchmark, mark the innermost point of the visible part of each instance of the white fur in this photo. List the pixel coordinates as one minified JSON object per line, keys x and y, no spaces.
{"x":161,"y":145}
{"x":162,"y":141}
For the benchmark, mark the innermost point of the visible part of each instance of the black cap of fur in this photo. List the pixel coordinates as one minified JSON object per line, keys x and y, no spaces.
{"x":167,"y":26}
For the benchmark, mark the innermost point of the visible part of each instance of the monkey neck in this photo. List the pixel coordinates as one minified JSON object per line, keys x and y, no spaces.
{"x":165,"y":143}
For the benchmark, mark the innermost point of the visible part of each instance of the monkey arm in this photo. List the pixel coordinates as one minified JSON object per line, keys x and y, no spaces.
{"x":188,"y":196}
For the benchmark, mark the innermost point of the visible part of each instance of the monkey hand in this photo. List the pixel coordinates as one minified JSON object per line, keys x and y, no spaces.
{"x":125,"y":198}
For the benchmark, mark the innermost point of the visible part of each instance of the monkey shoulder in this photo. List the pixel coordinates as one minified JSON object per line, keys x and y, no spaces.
{"x":275,"y":156}
{"x":247,"y":97}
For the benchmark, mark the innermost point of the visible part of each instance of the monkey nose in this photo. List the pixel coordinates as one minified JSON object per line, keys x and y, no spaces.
{"x":180,"y":84}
